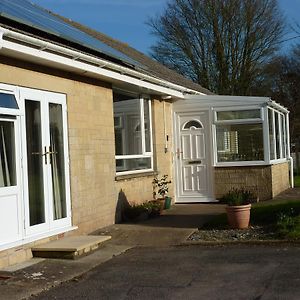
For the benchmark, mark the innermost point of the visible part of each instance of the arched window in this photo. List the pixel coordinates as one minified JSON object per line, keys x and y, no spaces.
{"x":193,"y":124}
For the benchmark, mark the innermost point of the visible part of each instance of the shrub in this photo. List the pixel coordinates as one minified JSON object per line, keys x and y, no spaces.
{"x":237,"y":197}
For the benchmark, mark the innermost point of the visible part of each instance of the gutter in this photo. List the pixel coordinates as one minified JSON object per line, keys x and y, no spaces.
{"x":64,"y":56}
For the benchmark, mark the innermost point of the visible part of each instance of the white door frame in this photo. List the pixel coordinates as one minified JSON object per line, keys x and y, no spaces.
{"x":209,"y":157}
{"x":44,"y":98}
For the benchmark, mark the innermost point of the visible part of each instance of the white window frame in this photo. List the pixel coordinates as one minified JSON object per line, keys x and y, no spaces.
{"x":260,"y":120}
{"x":11,"y":90}
{"x":283,"y":133}
{"x":144,"y":154}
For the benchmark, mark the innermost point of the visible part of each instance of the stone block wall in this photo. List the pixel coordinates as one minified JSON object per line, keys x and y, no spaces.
{"x":280,"y":178}
{"x":264,"y":181}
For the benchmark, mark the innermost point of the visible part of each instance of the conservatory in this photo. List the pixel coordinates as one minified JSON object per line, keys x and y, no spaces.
{"x":225,"y":142}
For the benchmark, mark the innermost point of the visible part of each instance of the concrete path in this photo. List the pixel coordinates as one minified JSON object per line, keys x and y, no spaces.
{"x":171,"y":228}
{"x":191,"y":272}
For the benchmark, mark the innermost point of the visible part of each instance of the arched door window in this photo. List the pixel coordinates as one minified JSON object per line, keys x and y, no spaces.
{"x":192,"y":125}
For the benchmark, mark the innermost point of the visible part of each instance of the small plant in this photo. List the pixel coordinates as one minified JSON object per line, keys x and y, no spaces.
{"x":160,"y":186}
{"x":236,"y":197}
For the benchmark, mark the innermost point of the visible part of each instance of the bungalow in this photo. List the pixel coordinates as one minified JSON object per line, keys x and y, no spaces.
{"x":86,"y":122}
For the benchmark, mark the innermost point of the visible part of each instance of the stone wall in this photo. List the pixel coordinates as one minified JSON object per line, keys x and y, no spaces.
{"x":280,"y":178}
{"x":264,"y":181}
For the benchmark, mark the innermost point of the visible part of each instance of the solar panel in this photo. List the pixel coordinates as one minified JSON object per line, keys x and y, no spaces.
{"x":27,"y":13}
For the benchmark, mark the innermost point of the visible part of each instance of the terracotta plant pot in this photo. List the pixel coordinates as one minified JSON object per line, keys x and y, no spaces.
{"x":238,"y":216}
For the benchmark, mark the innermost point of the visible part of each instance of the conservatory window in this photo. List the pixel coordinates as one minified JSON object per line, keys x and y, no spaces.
{"x":277,"y":134}
{"x":133,"y":133}
{"x":239,"y":136}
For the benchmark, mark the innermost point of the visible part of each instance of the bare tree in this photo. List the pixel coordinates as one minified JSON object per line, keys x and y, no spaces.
{"x":221,"y":44}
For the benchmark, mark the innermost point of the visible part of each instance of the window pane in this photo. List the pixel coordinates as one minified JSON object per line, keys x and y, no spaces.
{"x":284,"y":136}
{"x":133,"y":164}
{"x":7,"y":154}
{"x":239,"y":114}
{"x":127,"y":126}
{"x":271,"y":134}
{"x":240,"y":142}
{"x":8,"y":101}
{"x":147,"y":125}
{"x":35,"y":162}
{"x":193,"y":125}
{"x":278,"y":142}
{"x":57,"y":160}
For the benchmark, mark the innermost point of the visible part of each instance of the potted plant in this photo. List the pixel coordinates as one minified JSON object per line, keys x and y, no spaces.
{"x":161,"y":187}
{"x":238,"y":208}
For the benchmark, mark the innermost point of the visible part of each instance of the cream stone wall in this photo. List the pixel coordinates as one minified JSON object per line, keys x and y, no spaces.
{"x":280,"y":178}
{"x":135,"y":190}
{"x":91,"y":140}
{"x":264,"y":181}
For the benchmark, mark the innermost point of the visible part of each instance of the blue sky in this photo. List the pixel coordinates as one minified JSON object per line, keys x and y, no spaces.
{"x":125,"y":19}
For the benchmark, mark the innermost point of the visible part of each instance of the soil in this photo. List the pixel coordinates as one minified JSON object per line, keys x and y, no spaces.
{"x":223,"y":235}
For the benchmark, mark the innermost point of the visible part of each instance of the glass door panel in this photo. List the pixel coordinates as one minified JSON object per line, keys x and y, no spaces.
{"x":57,"y":161}
{"x":7,"y":154}
{"x":35,"y":162}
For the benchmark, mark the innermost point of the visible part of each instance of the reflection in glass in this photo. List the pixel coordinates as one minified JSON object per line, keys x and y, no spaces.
{"x":129,"y":137}
{"x":57,"y":161}
{"x":134,"y":164}
{"x":147,"y":125}
{"x":8,"y":101}
{"x":35,"y":162}
{"x":240,"y":142}
{"x":7,"y":154}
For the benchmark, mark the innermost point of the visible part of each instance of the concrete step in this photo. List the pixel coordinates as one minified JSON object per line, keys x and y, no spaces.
{"x":69,"y":247}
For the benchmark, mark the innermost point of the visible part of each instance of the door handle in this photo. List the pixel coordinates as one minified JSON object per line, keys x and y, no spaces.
{"x":42,"y":154}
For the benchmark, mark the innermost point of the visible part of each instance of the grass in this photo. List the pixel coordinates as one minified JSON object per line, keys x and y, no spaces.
{"x":283,"y":216}
{"x":297,"y":181}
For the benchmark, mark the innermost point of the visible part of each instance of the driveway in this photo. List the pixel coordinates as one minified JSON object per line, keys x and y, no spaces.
{"x":191,"y":272}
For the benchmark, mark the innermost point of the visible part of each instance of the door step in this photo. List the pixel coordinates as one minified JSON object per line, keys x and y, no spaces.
{"x":69,"y":247}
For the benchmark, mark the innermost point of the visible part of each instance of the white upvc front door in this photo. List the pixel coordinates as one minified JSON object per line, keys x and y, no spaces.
{"x":193,"y":158}
{"x":45,"y":161}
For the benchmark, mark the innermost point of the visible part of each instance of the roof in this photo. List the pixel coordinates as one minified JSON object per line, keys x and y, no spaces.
{"x":30,"y":18}
{"x":152,"y":66}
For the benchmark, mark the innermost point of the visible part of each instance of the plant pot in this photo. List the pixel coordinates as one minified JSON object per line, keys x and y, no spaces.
{"x":168,"y":201}
{"x":238,"y":216}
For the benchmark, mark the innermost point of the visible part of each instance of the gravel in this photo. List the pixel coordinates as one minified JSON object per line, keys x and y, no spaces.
{"x":221,"y":235}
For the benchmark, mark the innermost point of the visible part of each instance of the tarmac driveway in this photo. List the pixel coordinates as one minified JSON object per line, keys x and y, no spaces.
{"x":191,"y":272}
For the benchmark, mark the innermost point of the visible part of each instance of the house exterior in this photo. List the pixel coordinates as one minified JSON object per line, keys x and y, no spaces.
{"x":86,"y":122}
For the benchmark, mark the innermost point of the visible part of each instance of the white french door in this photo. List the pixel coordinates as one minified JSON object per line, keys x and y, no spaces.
{"x":45,"y":161}
{"x":193,"y":158}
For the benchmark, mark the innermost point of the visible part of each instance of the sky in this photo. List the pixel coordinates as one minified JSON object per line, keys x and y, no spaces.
{"x":125,"y":20}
